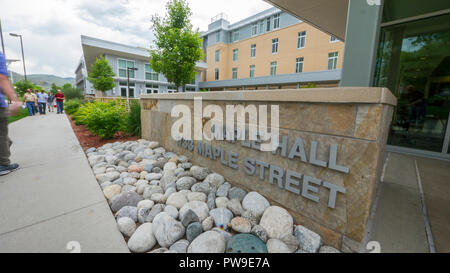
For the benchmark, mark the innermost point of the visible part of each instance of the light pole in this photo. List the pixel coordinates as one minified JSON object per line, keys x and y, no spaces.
{"x":128,"y":84}
{"x":23,"y":55}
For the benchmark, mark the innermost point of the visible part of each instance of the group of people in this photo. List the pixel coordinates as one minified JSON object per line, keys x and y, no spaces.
{"x":40,"y":100}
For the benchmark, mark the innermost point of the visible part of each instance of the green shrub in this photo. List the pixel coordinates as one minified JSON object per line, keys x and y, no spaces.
{"x":71,"y":92}
{"x":71,"y":106}
{"x":103,"y":119}
{"x":134,"y":119}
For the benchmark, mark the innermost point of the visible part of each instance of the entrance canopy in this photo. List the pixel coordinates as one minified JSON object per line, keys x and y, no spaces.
{"x":329,"y":16}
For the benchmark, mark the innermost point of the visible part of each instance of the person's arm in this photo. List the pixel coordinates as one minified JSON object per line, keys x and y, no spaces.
{"x":9,"y":92}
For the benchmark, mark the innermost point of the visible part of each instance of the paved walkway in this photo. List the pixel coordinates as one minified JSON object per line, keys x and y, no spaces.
{"x":412,"y":213}
{"x":54,"y":198}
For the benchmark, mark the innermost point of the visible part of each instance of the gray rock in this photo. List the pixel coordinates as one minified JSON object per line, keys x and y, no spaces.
{"x":177,"y":200}
{"x":148,"y":168}
{"x":167,"y":179}
{"x":125,"y":199}
{"x":180,"y":246}
{"x":208,"y":242}
{"x":186,"y":165}
{"x":146,"y":214}
{"x":309,"y":241}
{"x":167,"y":230}
{"x":204,"y":187}
{"x":105,"y":184}
{"x":169,"y":192}
{"x":277,"y":246}
{"x":223,"y":190}
{"x":129,"y":181}
{"x":142,"y":239}
{"x":111,"y":176}
{"x":237,"y":193}
{"x":126,"y":226}
{"x":129,"y":157}
{"x":189,"y":217}
{"x":291,"y":242}
{"x":91,"y":150}
{"x":260,"y":232}
{"x":177,"y":171}
{"x":255,"y":203}
{"x":211,"y":200}
{"x":235,"y":207}
{"x":222,"y":217}
{"x":157,"y":170}
{"x":200,"y":208}
{"x":193,"y":230}
{"x":225,"y":234}
{"x":215,"y":179}
{"x":199,"y":173}
{"x":128,"y":211}
{"x":150,"y":190}
{"x":153,"y":176}
{"x":172,"y":211}
{"x":183,"y":174}
{"x":145,"y":204}
{"x":252,"y":217}
{"x":208,"y":223}
{"x":185,"y":183}
{"x":277,"y":221}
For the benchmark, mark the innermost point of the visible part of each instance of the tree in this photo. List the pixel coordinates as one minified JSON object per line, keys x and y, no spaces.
{"x":22,"y":86}
{"x":177,"y":46}
{"x":54,"y":88}
{"x":101,"y":75}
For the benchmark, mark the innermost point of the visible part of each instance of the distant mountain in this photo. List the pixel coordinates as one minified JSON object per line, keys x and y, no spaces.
{"x":44,"y":80}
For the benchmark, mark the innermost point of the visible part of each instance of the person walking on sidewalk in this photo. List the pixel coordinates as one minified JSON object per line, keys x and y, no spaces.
{"x":35,"y":106}
{"x":59,"y":102}
{"x":28,"y":100}
{"x":50,"y":102}
{"x":5,"y":143}
{"x":42,"y":102}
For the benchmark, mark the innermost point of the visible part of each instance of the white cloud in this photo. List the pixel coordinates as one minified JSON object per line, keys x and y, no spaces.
{"x":51,"y":29}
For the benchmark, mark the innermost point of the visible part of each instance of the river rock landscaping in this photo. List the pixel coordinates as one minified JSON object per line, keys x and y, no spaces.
{"x":165,"y":204}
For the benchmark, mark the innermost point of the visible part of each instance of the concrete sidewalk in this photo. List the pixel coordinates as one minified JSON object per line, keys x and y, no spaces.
{"x":54,"y":198}
{"x":412,"y":212}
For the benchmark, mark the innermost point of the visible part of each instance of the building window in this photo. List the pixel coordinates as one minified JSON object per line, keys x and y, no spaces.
{"x":123,"y":89}
{"x":268,"y":24}
{"x":152,"y":88}
{"x":234,"y":73}
{"x":273,"y":68}
{"x":253,"y":51}
{"x":172,"y":89}
{"x":216,"y":74}
{"x":217,"y":55}
{"x":235,"y":36}
{"x":150,"y":75}
{"x":299,"y":65}
{"x":252,"y":71}
{"x":332,"y":60}
{"x":333,"y":39}
{"x":254,"y":29}
{"x":301,"y":40}
{"x":261,"y":27}
{"x":123,"y":64}
{"x":276,"y":21}
{"x":275,"y":45}
{"x":218,"y":36}
{"x":235,"y":55}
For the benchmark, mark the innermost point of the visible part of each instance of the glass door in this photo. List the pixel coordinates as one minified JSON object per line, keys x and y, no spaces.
{"x":414,"y":63}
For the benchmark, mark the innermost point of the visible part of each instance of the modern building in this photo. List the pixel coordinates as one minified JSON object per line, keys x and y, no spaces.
{"x":269,"y":50}
{"x":142,"y":81}
{"x":400,"y":44}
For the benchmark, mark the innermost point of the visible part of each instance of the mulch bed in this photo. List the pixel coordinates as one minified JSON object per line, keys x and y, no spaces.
{"x":88,"y":140}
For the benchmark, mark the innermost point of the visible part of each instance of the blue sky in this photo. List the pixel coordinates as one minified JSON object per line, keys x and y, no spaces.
{"x":51,"y":29}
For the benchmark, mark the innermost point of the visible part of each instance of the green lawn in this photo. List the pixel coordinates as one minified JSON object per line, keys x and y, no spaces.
{"x":22,"y":114}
